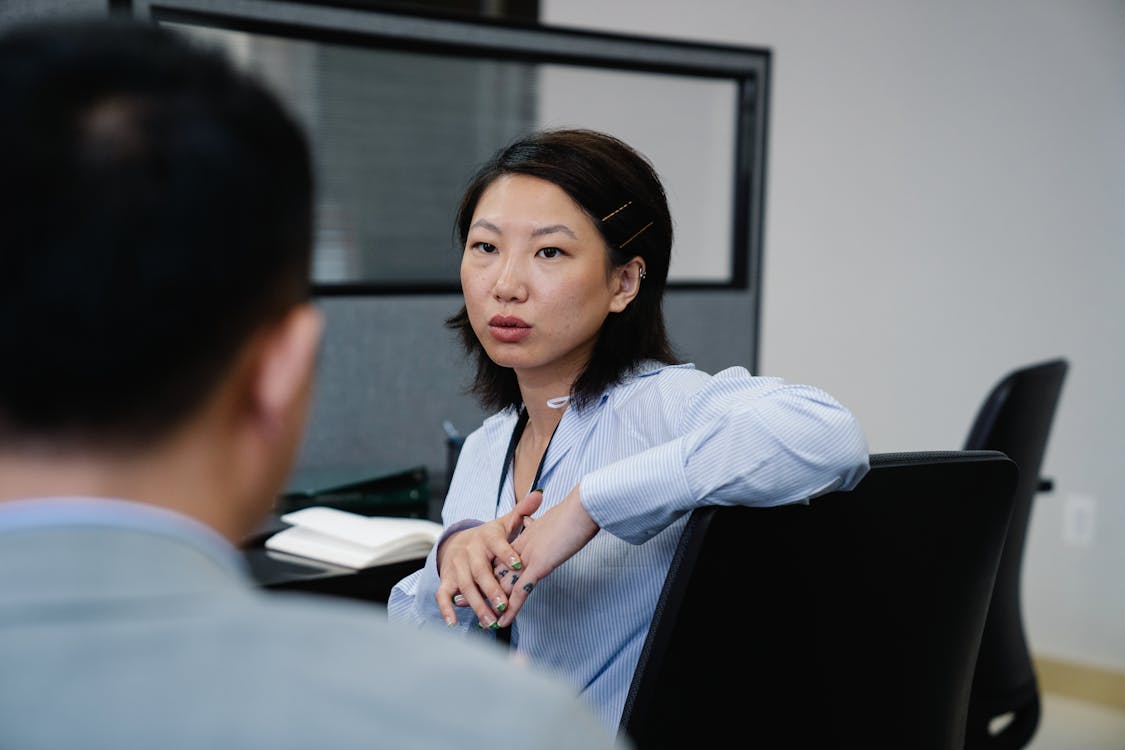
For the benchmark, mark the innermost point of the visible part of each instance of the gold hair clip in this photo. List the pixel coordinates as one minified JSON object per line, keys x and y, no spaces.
{"x":635,"y":236}
{"x":610,"y":215}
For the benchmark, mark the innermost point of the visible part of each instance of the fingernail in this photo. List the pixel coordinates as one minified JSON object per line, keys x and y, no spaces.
{"x":500,"y":605}
{"x":515,"y":563}
{"x":451,"y":621}
{"x":538,"y":489}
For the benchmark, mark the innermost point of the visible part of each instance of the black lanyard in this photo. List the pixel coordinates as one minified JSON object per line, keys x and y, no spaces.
{"x":510,"y":457}
{"x":504,"y":635}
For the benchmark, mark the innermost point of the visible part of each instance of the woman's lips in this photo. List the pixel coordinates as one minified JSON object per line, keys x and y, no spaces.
{"x":508,"y":329}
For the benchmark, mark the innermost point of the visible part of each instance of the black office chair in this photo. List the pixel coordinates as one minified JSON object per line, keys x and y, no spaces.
{"x":1015,"y":418}
{"x":853,"y":621}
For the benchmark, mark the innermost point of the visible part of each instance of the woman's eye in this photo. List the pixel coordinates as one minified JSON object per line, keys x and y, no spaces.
{"x":484,"y":247}
{"x":550,"y":252}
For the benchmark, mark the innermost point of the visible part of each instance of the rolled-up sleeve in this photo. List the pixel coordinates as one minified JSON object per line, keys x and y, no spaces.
{"x":734,"y":439}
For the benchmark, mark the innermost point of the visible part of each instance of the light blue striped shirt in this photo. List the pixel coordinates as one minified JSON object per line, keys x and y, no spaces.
{"x":665,"y":441}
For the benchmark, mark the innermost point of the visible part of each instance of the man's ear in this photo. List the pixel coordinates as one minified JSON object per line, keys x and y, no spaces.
{"x":628,"y":279}
{"x":287,"y":363}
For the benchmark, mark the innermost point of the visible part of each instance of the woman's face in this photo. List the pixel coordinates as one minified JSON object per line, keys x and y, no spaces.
{"x":536,"y":278}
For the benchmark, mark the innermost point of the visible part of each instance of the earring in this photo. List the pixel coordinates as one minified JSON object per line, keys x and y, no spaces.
{"x":642,"y":273}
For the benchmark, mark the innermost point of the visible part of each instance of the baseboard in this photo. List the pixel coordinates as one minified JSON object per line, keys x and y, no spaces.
{"x":1082,"y":681}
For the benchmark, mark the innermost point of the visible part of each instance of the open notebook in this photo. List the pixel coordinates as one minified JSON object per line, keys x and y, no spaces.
{"x":352,"y":540}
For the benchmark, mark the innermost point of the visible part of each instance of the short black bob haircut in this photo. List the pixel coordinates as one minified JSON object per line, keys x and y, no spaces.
{"x":621,"y":192}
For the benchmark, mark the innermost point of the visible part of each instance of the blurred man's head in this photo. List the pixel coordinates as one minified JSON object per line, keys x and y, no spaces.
{"x":155,"y":237}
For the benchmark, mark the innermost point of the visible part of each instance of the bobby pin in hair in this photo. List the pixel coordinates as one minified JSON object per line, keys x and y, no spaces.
{"x":635,"y":235}
{"x":611,"y":214}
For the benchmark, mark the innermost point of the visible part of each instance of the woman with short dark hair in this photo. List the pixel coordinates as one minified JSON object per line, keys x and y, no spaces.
{"x":566,"y":505}
{"x":595,"y":170}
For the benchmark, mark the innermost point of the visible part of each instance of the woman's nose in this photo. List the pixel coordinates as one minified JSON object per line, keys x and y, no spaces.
{"x":510,"y":283}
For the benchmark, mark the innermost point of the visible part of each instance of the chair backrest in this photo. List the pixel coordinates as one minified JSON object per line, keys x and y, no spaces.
{"x":1015,"y":418}
{"x":852,"y":621}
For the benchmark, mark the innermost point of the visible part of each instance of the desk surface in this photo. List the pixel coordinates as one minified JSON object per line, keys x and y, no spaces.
{"x":279,"y":571}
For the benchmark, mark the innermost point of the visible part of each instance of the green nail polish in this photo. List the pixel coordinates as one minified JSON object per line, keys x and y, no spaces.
{"x":501,"y":607}
{"x":517,"y":565}
{"x":494,"y":626}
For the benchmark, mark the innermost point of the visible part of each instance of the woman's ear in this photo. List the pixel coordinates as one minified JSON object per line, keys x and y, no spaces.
{"x":628,"y":279}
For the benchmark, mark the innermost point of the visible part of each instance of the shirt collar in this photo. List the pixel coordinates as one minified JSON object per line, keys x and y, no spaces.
{"x":79,"y":510}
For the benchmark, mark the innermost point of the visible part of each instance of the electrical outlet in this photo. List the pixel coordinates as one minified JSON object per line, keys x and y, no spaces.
{"x":1079,"y":514}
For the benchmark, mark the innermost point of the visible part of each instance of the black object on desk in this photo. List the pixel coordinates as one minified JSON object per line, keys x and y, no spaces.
{"x":363,"y":490}
{"x":278,"y":571}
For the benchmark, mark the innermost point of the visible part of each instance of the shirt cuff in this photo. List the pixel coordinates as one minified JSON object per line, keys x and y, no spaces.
{"x":637,"y":498}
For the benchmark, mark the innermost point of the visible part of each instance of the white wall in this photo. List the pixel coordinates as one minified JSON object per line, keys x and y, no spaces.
{"x":946,"y":201}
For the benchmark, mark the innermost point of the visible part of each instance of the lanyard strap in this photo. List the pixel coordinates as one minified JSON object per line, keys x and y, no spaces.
{"x":510,"y":457}
{"x":504,"y":635}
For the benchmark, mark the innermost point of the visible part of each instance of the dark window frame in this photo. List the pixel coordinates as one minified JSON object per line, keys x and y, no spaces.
{"x":505,"y":39}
